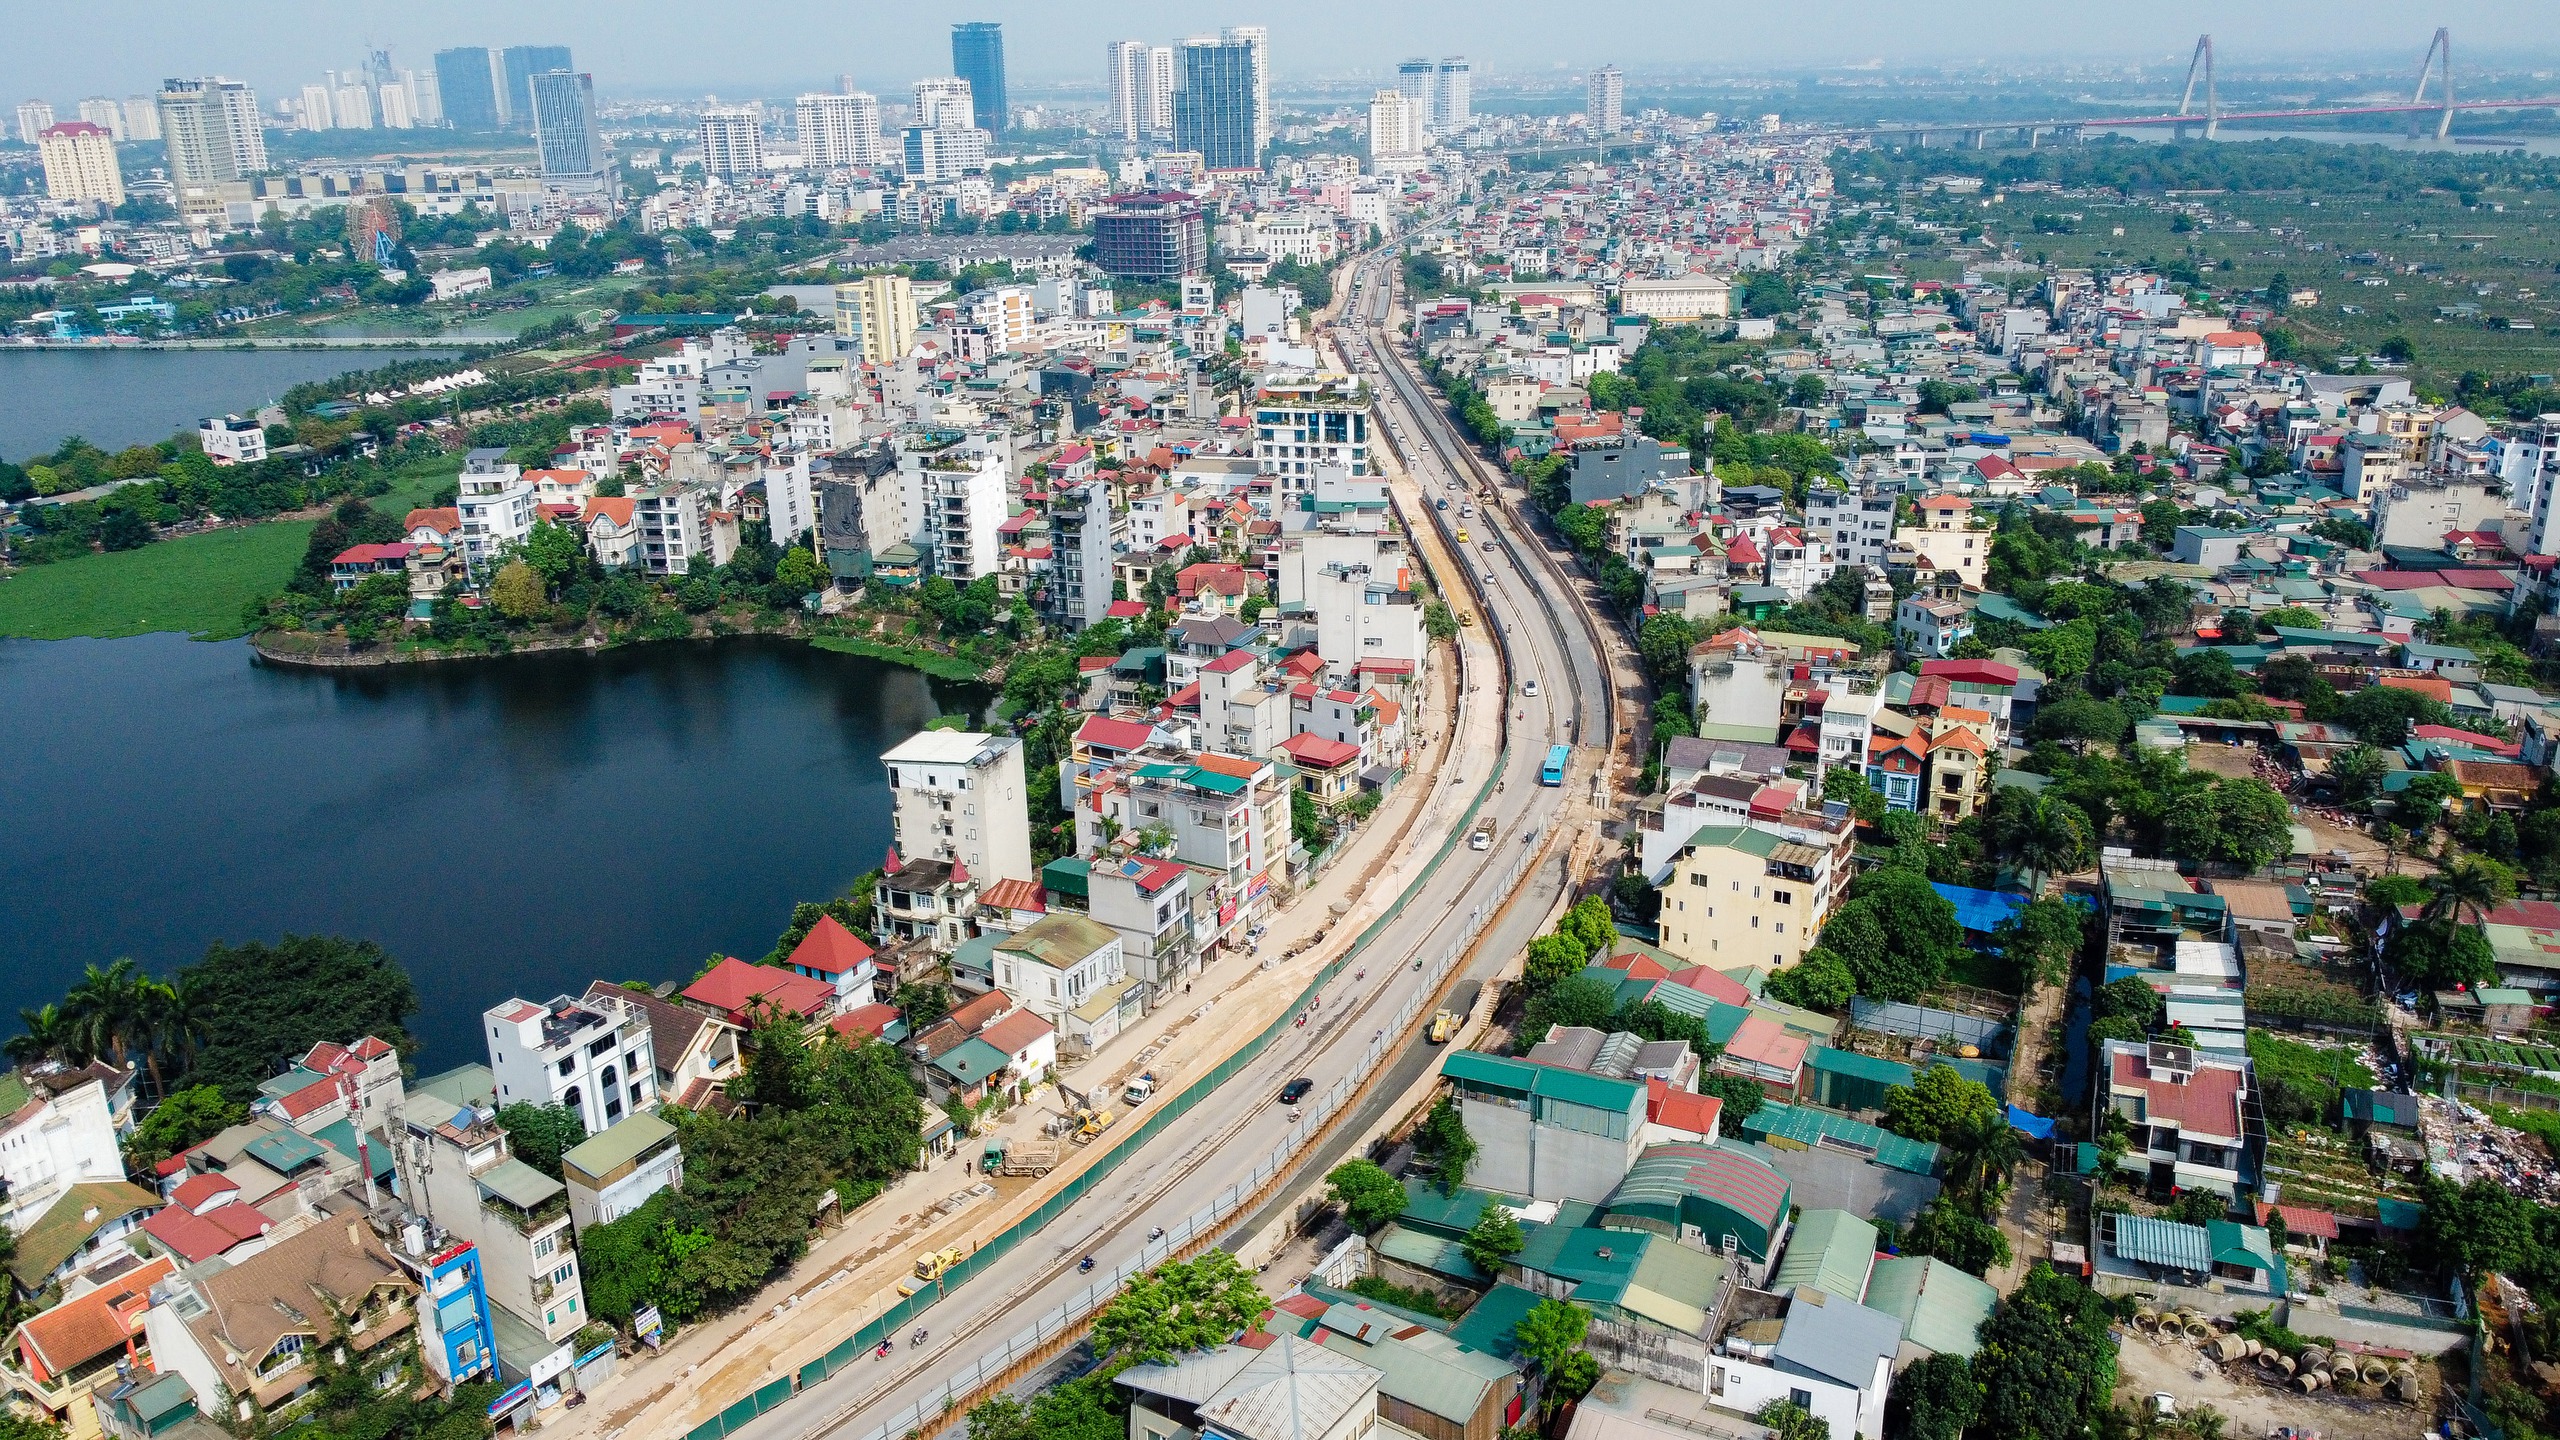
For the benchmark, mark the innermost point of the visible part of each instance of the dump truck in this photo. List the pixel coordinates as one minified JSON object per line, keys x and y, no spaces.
{"x":932,"y":1263}
{"x":1030,"y":1157}
{"x":993,"y":1160}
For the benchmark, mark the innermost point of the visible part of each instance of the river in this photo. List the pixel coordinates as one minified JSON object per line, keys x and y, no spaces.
{"x":508,"y":827}
{"x":121,"y":397}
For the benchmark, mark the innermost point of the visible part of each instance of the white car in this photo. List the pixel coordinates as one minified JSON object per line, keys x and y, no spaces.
{"x":1530,"y":689}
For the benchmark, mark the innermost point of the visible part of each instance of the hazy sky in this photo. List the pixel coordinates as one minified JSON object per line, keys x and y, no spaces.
{"x":122,"y":47}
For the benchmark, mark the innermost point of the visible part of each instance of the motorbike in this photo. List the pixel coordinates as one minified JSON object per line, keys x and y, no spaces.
{"x":917,"y":1338}
{"x":883,"y":1352}
{"x":1085,"y":1264}
{"x":1302,"y":1022}
{"x":1156,"y":1234}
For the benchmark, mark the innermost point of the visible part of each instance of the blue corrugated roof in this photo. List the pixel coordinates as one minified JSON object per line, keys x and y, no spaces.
{"x":2149,"y":1241}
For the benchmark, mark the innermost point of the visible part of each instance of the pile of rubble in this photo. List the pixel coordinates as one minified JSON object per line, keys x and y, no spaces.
{"x":2464,"y":1144}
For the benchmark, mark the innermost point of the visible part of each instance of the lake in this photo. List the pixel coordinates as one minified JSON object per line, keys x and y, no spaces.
{"x":132,"y":397}
{"x":518,"y":826}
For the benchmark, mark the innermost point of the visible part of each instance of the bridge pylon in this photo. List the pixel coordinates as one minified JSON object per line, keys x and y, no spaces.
{"x":2201,"y":64}
{"x":2439,"y":58}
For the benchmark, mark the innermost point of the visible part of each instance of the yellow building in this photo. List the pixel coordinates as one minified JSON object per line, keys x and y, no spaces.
{"x":1739,"y":895}
{"x":879,"y":311}
{"x":80,"y":163}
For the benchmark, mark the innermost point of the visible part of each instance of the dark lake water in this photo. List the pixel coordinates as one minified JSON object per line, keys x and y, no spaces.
{"x":510,"y":827}
{"x":131,"y":397}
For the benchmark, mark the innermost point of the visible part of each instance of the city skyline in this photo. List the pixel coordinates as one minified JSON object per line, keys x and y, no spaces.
{"x":279,"y":45}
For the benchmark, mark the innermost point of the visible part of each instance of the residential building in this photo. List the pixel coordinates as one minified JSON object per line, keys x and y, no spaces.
{"x":564,"y":130}
{"x":232,"y":440}
{"x":844,"y":960}
{"x":2188,"y":1113}
{"x":960,"y":796}
{"x":674,"y":520}
{"x":1151,"y":236}
{"x":1134,"y":101}
{"x":840,"y":131}
{"x":1604,"y":103}
{"x":457,"y":1171}
{"x":497,"y":505}
{"x":34,"y":118}
{"x":107,"y":115}
{"x":1072,"y":971}
{"x":1926,"y":625}
{"x":1303,"y":423}
{"x":879,"y":311}
{"x":977,"y":56}
{"x":64,"y":1359}
{"x":1396,"y":127}
{"x":79,"y":1233}
{"x":1453,"y":96}
{"x":2531,"y":469}
{"x":212,"y":130}
{"x":57,"y":1129}
{"x":928,"y":900}
{"x":960,"y":493}
{"x":695,"y":1052}
{"x":80,"y":164}
{"x":251,"y":1332}
{"x":937,"y":155}
{"x":1946,"y":540}
{"x":614,"y":1173}
{"x":1827,"y":1353}
{"x":944,"y":102}
{"x":1081,"y":544}
{"x":456,"y":1337}
{"x":1856,"y":524}
{"x":1148,"y":901}
{"x":592,"y":1056}
{"x":1681,"y":298}
{"x":1766,"y":893}
{"x":1217,"y":112}
{"x":732,"y":139}
{"x":1543,"y":1131}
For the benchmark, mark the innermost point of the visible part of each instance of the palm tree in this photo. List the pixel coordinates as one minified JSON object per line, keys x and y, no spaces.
{"x":2042,"y":833}
{"x":165,"y":1024}
{"x":108,"y":1009}
{"x":48,"y":1037}
{"x":1980,"y":1154}
{"x":2202,"y":1423}
{"x":2465,"y":891}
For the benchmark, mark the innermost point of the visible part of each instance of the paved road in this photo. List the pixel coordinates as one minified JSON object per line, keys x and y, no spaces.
{"x":1188,"y":1167}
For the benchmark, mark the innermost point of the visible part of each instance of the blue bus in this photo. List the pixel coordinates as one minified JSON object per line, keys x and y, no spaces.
{"x":1553,"y":774}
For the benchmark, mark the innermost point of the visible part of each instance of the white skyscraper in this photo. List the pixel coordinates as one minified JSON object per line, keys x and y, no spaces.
{"x":943,"y":103}
{"x":351,"y":105}
{"x":1160,"y":90}
{"x":1414,"y":83}
{"x":317,"y":110}
{"x":141,"y":117}
{"x":732,"y":141}
{"x":1604,"y":108}
{"x":34,"y":118}
{"x":106,"y":114}
{"x":1453,"y":96}
{"x":837,"y":131}
{"x":426,"y":96}
{"x":399,"y":112}
{"x":1395,"y":127}
{"x":1132,"y":114}
{"x":212,"y":129}
{"x":1258,"y":37}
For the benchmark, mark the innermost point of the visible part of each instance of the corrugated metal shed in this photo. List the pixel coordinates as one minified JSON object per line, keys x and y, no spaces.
{"x":1810,"y":1127}
{"x":1941,"y":1307}
{"x":1829,"y":1251}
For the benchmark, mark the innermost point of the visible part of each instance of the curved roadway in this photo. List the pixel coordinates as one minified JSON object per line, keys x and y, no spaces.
{"x":1188,"y":1167}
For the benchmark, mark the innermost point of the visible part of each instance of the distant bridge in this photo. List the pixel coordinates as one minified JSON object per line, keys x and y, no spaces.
{"x":2437,"y":65}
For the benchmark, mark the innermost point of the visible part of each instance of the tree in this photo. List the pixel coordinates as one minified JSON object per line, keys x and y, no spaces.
{"x":2241,"y":822}
{"x":555,"y":553}
{"x":517,"y":592}
{"x":1180,"y":1306}
{"x":1494,"y":1238}
{"x":2357,"y":772}
{"x":1444,"y":1141}
{"x":1820,"y":981}
{"x":1588,"y":922}
{"x":1936,"y":1103}
{"x":2479,"y":1228}
{"x":1787,"y":1420}
{"x":1848,"y":785}
{"x":266,"y":1003}
{"x":1740,"y":1097}
{"x":2042,"y":833}
{"x":2047,"y":1363}
{"x":2467,"y":890}
{"x":1982,"y":1149}
{"x":1896,"y":934}
{"x":1550,"y":1338}
{"x":1368,"y":1195}
{"x":2441,"y":955}
{"x":188,"y":1117}
{"x":47,"y":1037}
{"x":1552,"y":960}
{"x":2042,"y":940}
{"x":2421,"y":803}
{"x":799,"y":571}
{"x":108,"y":1011}
{"x":2383,"y":714}
{"x":540,"y":1134}
{"x":1576,"y":1000}
{"x":1933,"y":1399}
{"x":1001,"y":1417}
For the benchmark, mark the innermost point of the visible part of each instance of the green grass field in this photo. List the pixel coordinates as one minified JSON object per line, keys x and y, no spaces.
{"x":940,"y":667}
{"x":196,"y":583}
{"x":415,"y":484}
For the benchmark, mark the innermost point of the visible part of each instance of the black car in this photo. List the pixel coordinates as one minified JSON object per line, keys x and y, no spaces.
{"x":1296,"y":1090}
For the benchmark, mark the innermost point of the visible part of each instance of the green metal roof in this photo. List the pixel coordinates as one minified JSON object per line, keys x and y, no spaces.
{"x":1430,"y":1372}
{"x":1718,"y":1190}
{"x":1810,"y":1127}
{"x":1547,"y":1082}
{"x":284,"y":1151}
{"x":621,"y":1143}
{"x":1452,"y":1214}
{"x":1490,"y":1327}
{"x":1941,"y":1307}
{"x":971,"y":1061}
{"x":1582,"y":1255}
{"x":1829,"y":1252}
{"x":1439,"y":1254}
{"x":1070,"y":876}
{"x":1059,"y":941}
{"x":1857,"y":1066}
{"x":519,"y":1184}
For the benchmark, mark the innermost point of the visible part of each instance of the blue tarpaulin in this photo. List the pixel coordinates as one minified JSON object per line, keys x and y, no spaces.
{"x":2034,"y":1126}
{"x":1981,"y":911}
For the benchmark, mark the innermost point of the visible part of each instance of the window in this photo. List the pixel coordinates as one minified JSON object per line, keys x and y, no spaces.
{"x":1802,"y":1399}
{"x":1783,"y":897}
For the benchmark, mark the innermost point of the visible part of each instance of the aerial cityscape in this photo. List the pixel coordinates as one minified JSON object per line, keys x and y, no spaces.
{"x":1048,"y":729}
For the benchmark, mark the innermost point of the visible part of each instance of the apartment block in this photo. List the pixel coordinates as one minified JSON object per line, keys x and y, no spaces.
{"x":960,"y":796}
{"x":591,"y":1056}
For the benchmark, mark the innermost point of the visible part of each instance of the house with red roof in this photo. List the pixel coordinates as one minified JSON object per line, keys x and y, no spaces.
{"x":1328,"y":770}
{"x":358,"y":563}
{"x":1673,"y":1114}
{"x":206,"y":1217}
{"x":744,"y":994}
{"x":836,"y":955}
{"x":63,"y":1355}
{"x":2188,"y":1113}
